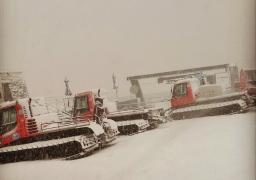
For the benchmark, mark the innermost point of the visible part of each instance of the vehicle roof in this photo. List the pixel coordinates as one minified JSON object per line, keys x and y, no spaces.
{"x":7,"y":104}
{"x":83,"y":93}
{"x":186,"y":80}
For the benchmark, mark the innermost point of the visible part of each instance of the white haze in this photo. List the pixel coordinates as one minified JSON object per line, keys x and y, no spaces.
{"x":88,"y":40}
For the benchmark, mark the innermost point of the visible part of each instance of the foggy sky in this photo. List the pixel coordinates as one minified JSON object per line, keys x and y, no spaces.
{"x":88,"y":40}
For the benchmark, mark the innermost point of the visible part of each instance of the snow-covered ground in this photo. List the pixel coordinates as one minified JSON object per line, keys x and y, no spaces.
{"x":219,"y":148}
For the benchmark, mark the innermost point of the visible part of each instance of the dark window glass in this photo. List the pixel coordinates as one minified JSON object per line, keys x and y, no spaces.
{"x":7,"y":120}
{"x":81,"y":105}
{"x":180,"y":90}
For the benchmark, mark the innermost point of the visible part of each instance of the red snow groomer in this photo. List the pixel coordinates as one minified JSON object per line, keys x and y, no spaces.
{"x":29,"y":130}
{"x":248,"y":83}
{"x":192,"y":98}
{"x":89,"y":106}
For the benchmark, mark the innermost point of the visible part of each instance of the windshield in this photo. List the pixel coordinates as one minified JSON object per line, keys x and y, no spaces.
{"x":7,"y":120}
{"x":81,"y":105}
{"x":180,"y":90}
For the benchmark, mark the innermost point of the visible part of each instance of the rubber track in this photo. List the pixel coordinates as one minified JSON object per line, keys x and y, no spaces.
{"x":206,"y":109}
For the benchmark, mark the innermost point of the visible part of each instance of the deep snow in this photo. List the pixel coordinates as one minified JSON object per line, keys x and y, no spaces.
{"x":219,"y":148}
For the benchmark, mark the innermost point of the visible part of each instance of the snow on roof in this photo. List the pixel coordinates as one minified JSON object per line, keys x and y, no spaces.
{"x":7,"y":104}
{"x":186,"y":80}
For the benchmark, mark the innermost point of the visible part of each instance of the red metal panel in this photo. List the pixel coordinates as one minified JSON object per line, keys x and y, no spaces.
{"x":183,"y":100}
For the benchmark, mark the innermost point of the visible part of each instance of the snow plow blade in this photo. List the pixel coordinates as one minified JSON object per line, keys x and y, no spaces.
{"x":111,"y":130}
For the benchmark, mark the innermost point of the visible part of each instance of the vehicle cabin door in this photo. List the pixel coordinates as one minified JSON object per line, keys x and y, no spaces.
{"x":181,"y":95}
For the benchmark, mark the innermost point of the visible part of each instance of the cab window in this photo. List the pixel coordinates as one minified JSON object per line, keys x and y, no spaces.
{"x":7,"y":120}
{"x":81,"y":105}
{"x":180,"y":90}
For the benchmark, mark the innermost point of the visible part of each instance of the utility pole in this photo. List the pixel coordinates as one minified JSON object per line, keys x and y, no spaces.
{"x":67,"y":91}
{"x":115,"y":85}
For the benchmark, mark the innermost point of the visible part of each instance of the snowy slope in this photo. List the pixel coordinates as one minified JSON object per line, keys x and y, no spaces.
{"x":218,"y":148}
